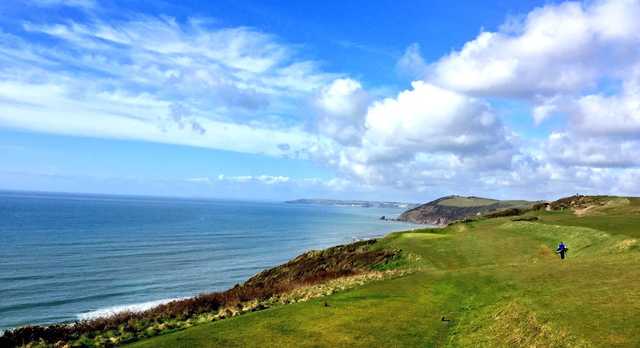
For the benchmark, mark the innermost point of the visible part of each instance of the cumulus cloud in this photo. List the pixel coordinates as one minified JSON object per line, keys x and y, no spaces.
{"x":555,"y":49}
{"x":569,"y":149}
{"x":564,"y":59}
{"x":611,"y":115}
{"x":340,"y":108}
{"x":428,"y":118}
{"x":602,"y":130}
{"x":420,"y":136}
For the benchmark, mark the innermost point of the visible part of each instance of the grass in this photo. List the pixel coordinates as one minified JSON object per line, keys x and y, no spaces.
{"x":467,"y":202}
{"x":614,"y":218}
{"x":495,"y":282}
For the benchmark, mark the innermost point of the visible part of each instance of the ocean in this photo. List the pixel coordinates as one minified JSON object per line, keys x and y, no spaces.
{"x":65,"y":257}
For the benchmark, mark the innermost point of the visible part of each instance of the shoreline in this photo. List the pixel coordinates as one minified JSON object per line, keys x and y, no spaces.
{"x":207,"y":247}
{"x":135,"y":310}
{"x":130,"y":307}
{"x":117,"y":308}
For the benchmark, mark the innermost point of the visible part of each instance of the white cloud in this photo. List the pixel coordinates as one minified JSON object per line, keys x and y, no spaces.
{"x":428,"y":118}
{"x":264,"y":179}
{"x":603,"y":131}
{"x":615,"y":115}
{"x":545,"y":107}
{"x":340,"y":108}
{"x":565,"y":59}
{"x":160,"y":80}
{"x":335,"y":184}
{"x":421,"y":136}
{"x":270,"y":180}
{"x":192,"y":57}
{"x":60,"y":109}
{"x":573,"y":150}
{"x":556,"y":49}
{"x":555,"y":57}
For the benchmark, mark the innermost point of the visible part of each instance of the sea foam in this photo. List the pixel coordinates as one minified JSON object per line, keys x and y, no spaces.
{"x":136,"y":307}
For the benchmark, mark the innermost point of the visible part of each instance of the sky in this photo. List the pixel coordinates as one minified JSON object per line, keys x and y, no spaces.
{"x":276,"y":100}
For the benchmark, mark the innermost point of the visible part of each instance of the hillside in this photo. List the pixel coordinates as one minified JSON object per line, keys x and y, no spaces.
{"x":490,"y":282}
{"x":444,"y":210}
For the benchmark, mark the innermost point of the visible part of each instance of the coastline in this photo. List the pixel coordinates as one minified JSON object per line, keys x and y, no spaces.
{"x":81,"y":254}
{"x":131,"y":307}
{"x":143,"y":306}
{"x":317,"y":283}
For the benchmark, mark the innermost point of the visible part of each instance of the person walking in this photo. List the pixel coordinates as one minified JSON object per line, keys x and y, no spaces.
{"x":562,"y":250}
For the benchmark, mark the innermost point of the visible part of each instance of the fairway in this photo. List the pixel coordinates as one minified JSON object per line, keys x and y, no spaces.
{"x":493,"y":282}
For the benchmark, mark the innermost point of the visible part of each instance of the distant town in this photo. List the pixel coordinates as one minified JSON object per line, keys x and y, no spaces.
{"x":362,"y":204}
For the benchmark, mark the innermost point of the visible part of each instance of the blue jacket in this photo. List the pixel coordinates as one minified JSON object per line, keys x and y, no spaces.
{"x":561,"y":247}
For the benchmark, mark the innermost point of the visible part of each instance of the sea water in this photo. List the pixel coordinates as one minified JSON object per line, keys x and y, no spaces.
{"x":65,"y":257}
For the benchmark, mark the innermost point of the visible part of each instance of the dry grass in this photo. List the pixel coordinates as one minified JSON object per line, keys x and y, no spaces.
{"x":514,"y":325}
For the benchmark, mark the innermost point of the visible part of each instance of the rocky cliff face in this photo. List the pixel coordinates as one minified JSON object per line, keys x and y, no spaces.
{"x":445,"y":210}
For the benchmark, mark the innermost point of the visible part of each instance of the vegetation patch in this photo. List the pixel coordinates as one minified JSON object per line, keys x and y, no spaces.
{"x":526,"y":218}
{"x":512,"y":325}
{"x":467,"y":201}
{"x":505,"y":213}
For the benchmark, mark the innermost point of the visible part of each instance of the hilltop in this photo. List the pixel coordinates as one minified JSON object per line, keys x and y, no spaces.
{"x":444,"y":210}
{"x":488,"y":281}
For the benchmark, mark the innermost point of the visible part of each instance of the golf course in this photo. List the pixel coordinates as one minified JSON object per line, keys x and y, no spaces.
{"x":485,"y":282}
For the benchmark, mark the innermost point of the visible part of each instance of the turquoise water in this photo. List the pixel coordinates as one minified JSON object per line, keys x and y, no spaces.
{"x":65,"y":257}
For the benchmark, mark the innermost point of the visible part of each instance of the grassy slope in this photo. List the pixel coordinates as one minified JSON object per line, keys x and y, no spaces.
{"x":464,"y":202}
{"x":498,"y":281}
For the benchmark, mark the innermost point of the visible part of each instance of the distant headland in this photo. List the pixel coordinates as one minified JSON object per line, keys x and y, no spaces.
{"x":356,"y":203}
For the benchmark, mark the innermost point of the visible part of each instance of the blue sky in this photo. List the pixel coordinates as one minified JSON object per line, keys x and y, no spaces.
{"x":276,"y":100}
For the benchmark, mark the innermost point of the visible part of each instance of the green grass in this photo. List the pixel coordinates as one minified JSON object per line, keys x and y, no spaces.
{"x":467,"y":202}
{"x":615,"y":219}
{"x":497,"y":281}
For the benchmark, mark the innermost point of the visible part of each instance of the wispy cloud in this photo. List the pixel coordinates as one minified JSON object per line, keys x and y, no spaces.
{"x":157,"y":79}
